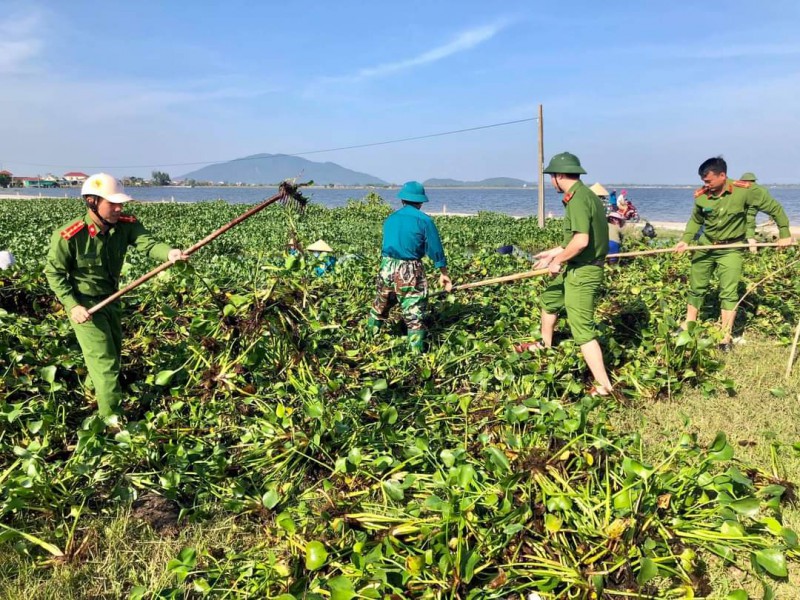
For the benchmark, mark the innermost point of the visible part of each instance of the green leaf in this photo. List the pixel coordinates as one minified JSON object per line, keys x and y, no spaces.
{"x":498,"y":458}
{"x":737,"y":595}
{"x":270,"y":499}
{"x":634,"y":467}
{"x":341,"y":588}
{"x":48,"y":373}
{"x":746,"y":506}
{"x":552,"y":523}
{"x":380,"y":385}
{"x":648,"y":569}
{"x":46,"y":546}
{"x":165,"y":377}
{"x":316,"y":555}
{"x":773,"y":560}
{"x":393,"y":490}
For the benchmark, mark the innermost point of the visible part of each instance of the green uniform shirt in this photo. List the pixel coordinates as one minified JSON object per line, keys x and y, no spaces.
{"x":731,"y":215}
{"x":83,"y":261}
{"x":584,"y":213}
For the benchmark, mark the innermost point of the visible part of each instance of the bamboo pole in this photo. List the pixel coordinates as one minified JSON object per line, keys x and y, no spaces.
{"x":283,"y":193}
{"x":537,"y":272}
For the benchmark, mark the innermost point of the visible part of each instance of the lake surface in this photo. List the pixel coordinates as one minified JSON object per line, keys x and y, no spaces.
{"x":653,"y":203}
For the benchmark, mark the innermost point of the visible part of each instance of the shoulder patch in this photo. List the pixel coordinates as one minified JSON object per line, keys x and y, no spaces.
{"x":127,"y":219}
{"x":742,"y":184}
{"x":568,"y":197}
{"x":71,"y":230}
{"x":699,"y":192}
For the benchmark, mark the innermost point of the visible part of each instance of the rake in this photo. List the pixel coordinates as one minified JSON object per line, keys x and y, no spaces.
{"x":288,"y":194}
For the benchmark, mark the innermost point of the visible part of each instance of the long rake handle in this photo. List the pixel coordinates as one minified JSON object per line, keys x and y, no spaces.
{"x":693,"y":249}
{"x":538,"y":272}
{"x":191,"y":250}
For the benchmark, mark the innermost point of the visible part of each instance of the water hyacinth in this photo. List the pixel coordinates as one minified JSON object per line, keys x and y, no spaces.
{"x":254,"y":391}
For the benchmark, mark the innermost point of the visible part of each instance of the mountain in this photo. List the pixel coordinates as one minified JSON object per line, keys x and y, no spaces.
{"x":274,"y":168}
{"x":491,"y":182}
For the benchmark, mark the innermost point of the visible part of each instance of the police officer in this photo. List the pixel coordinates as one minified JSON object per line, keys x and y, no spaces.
{"x":408,"y":235}
{"x":83,"y":267}
{"x":726,"y":211}
{"x":577,"y":266}
{"x":751,"y":178}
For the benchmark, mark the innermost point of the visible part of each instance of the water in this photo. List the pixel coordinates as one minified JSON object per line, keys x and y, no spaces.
{"x":653,"y":203}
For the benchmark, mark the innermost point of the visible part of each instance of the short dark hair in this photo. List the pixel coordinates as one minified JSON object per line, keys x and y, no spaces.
{"x":716,"y":164}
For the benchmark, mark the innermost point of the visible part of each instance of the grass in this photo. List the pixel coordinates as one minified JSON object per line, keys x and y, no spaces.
{"x":762,"y":421}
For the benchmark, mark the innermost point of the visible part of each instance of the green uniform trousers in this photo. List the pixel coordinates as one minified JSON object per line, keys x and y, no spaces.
{"x":576,"y":289}
{"x":101,"y":342}
{"x":728,"y":264}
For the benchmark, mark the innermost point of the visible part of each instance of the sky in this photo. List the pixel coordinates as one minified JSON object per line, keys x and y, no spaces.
{"x":642,"y":92}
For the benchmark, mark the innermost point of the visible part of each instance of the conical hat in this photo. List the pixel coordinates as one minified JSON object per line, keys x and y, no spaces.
{"x":319,"y":246}
{"x":599,"y":190}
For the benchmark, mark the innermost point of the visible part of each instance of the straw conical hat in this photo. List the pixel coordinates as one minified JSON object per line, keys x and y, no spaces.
{"x":319,"y":246}
{"x":599,"y":190}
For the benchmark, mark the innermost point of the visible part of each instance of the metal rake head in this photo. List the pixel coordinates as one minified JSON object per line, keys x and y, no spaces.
{"x":292,"y":196}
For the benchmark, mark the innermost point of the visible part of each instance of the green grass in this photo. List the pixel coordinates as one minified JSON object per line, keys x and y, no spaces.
{"x":761,"y":424}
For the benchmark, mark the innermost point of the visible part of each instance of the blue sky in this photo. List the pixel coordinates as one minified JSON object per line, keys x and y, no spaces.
{"x":641,"y":91}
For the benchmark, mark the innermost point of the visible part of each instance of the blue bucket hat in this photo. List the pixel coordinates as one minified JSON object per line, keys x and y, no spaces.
{"x":412,"y":191}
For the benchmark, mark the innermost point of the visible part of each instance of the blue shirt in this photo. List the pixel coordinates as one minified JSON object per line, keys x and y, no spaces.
{"x":410,"y":234}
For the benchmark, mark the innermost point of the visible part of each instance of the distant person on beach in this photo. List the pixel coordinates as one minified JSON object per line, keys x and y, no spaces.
{"x":83,"y":267}
{"x":616,"y":223}
{"x":582,"y":256}
{"x":726,"y":210}
{"x":626,"y":208}
{"x":612,"y":200}
{"x":408,"y":235}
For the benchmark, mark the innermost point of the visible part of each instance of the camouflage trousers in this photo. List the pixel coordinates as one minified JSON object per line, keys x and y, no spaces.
{"x":403,"y":282}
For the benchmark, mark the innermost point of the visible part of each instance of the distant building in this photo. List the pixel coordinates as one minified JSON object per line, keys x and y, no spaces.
{"x":75,"y":177}
{"x":9,"y":173}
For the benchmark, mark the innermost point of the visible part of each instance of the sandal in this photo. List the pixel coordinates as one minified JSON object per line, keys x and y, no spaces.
{"x":532,"y":347}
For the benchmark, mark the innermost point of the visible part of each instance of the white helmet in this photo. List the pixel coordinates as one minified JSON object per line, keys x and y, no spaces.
{"x":105,"y":186}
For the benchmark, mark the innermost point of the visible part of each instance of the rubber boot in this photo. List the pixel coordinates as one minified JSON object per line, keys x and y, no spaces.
{"x":374,"y":325}
{"x":416,"y":341}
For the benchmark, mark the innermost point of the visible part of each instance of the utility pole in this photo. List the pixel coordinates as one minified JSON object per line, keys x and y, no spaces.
{"x":540,"y":169}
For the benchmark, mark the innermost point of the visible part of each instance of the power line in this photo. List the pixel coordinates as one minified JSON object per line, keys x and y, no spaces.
{"x":371,"y":144}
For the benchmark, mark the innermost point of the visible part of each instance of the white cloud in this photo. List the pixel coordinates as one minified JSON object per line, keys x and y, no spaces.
{"x":19,"y":44}
{"x":465,"y":40}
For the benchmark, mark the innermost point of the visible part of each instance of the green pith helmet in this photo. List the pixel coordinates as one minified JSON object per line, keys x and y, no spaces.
{"x":748,"y":177}
{"x":564,"y":163}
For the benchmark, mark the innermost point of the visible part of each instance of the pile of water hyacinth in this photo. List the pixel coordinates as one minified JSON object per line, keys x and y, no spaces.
{"x":253,"y":390}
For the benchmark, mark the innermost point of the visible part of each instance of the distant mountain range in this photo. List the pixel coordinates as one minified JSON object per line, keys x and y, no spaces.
{"x":491,"y":182}
{"x":274,"y":168}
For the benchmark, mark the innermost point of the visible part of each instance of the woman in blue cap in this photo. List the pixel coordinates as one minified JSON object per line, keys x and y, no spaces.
{"x":408,"y":235}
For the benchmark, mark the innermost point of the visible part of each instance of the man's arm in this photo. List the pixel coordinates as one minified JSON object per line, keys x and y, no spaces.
{"x":433,"y":246}
{"x":576,"y":245}
{"x":145,"y":243}
{"x":761,"y":200}
{"x":56,"y":270}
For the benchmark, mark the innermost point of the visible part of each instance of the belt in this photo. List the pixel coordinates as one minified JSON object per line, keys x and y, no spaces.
{"x":598,"y":262}
{"x":729,"y":241}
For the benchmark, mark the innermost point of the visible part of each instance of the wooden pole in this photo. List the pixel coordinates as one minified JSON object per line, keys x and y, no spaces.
{"x":540,"y":168}
{"x":189,"y":251}
{"x":537,"y":272}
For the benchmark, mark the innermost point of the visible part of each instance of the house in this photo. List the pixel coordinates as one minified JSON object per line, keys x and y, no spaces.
{"x":75,"y":177}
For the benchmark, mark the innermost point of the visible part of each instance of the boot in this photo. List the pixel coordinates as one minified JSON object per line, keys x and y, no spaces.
{"x":416,"y":341}
{"x":374,"y":325}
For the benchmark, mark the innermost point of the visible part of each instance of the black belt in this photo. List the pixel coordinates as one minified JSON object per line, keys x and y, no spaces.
{"x":730,"y":241}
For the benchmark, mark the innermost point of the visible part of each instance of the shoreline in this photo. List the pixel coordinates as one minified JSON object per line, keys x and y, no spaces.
{"x":673,"y":226}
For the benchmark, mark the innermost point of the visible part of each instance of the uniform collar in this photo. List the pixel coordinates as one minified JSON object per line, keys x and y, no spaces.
{"x":726,"y":189}
{"x":571,"y":191}
{"x":93,"y":229}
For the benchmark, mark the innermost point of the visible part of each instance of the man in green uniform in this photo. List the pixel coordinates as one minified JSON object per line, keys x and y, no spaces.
{"x":408,"y":235}
{"x":582,"y":254}
{"x":83,"y":267}
{"x":751,"y":178}
{"x":726,"y":211}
